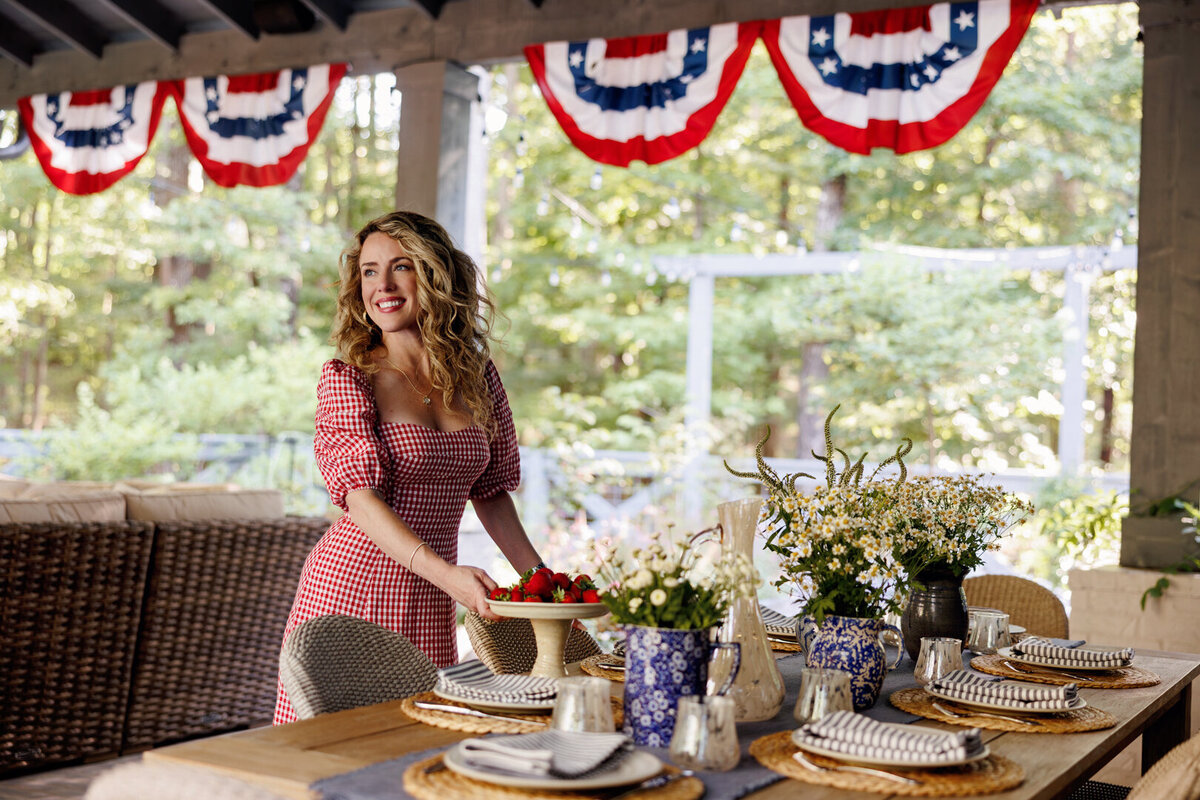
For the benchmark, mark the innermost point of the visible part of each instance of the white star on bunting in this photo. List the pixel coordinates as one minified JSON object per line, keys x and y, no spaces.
{"x":820,"y":37}
{"x":964,"y":20}
{"x":828,"y":66}
{"x":699,"y":45}
{"x":952,"y":54}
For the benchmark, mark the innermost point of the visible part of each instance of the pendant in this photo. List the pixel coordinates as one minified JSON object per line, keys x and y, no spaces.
{"x":426,"y":400}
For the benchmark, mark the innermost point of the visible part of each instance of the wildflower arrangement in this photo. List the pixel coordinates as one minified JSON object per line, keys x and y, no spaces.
{"x":672,"y":585}
{"x":953,"y":521}
{"x":837,"y":544}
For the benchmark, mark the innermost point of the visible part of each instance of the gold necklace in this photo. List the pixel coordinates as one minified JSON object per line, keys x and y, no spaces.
{"x":425,"y":399}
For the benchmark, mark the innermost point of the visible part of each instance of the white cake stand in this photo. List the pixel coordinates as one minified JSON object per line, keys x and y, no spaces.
{"x":551,"y":626}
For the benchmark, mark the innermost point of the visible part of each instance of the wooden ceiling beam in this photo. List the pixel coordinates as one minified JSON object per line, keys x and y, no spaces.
{"x":16,"y":45}
{"x":237,"y":14}
{"x":152,"y":19}
{"x":335,"y":12}
{"x":65,"y":21}
{"x":432,"y":7}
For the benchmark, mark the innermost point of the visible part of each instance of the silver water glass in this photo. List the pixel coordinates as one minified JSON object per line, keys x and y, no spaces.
{"x":939,"y":655}
{"x":989,"y":632}
{"x":583,"y":704}
{"x":705,"y":736}
{"x":822,"y":691}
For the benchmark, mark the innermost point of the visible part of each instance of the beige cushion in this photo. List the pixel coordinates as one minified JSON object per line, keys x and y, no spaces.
{"x":52,"y":503}
{"x":11,"y":487}
{"x":196,"y":503}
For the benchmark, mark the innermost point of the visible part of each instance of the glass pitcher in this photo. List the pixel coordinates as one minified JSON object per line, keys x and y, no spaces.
{"x":758,"y":689}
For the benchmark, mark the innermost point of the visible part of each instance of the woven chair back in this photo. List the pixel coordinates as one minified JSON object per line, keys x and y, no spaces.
{"x":508,"y":646}
{"x":335,"y":662}
{"x":1176,"y":776}
{"x":1027,"y":604}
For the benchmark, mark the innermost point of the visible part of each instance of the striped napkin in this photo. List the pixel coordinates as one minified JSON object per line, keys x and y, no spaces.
{"x":558,"y":754}
{"x":854,"y":735}
{"x":472,"y":680}
{"x":969,"y":686}
{"x":778,"y":624}
{"x":619,"y":648}
{"x":1069,"y":653}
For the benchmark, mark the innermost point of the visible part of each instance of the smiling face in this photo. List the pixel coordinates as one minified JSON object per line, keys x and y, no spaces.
{"x":389,"y":283}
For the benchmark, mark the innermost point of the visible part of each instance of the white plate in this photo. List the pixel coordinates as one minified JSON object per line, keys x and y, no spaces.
{"x":1015,"y":630}
{"x":1006,"y":652}
{"x":808,"y":747}
{"x":980,"y":704}
{"x":499,"y":708}
{"x":507,"y":608}
{"x":635,"y":767}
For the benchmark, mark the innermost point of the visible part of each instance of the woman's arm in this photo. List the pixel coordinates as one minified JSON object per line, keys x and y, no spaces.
{"x":499,"y":516}
{"x":469,"y":586}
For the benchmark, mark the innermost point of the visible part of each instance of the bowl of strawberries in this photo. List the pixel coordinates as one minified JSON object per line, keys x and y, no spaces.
{"x":550,"y":601}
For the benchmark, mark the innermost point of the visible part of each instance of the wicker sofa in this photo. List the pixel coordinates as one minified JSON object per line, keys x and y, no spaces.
{"x":137,"y":615}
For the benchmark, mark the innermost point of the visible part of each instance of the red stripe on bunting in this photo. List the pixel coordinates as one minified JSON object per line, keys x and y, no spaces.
{"x":869,"y":23}
{"x":634,"y":46}
{"x":657,"y":149}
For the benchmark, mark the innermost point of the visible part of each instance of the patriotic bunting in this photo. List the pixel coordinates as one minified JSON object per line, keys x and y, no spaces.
{"x":645,"y":98}
{"x":907,"y":79}
{"x":87,"y":141}
{"x":251,"y":129}
{"x":255,"y":129}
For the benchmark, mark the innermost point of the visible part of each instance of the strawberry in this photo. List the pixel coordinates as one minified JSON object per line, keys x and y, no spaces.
{"x":561,"y":580}
{"x":532,"y":598}
{"x":539,"y":584}
{"x":516,"y":595}
{"x":591,"y":596}
{"x":567,"y":598}
{"x":584,"y":581}
{"x":500,"y":593}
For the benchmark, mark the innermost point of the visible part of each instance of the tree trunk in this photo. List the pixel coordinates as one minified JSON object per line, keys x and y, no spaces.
{"x":175,"y":270}
{"x":1106,"y":426}
{"x":830,"y":210}
{"x":813,"y":371}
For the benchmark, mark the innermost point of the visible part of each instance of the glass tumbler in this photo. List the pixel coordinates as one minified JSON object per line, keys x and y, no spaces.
{"x":583,"y":704}
{"x":989,"y":632}
{"x":705,"y":736}
{"x":822,"y":691}
{"x":939,"y":655}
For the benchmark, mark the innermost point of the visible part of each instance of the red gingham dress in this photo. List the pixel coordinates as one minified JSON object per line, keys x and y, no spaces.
{"x":426,"y":476}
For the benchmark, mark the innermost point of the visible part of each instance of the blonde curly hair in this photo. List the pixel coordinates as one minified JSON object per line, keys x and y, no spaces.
{"x":455,"y":315}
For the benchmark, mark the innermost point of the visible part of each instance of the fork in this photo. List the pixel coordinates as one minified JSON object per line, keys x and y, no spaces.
{"x":878,"y":773}
{"x":957,"y":715}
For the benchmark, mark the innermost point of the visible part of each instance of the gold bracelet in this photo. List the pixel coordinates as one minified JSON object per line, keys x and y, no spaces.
{"x":414,"y":554}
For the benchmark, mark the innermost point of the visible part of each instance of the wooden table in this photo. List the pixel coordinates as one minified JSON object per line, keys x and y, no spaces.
{"x":289,"y":758}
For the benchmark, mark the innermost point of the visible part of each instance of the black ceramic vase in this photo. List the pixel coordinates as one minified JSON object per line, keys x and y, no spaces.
{"x":940,"y":609}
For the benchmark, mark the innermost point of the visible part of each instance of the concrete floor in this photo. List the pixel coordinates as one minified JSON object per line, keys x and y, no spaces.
{"x":67,"y":783}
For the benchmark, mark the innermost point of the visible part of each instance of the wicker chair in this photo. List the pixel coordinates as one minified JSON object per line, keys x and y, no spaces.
{"x":1028,"y":604}
{"x":1176,"y":776}
{"x":141,"y":780}
{"x":335,"y":662}
{"x":508,"y":646}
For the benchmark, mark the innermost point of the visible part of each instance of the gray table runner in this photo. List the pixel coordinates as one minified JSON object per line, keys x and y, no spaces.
{"x":384,"y":781}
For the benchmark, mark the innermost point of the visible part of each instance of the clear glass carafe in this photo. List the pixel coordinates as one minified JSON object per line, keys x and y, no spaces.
{"x":758,"y":689}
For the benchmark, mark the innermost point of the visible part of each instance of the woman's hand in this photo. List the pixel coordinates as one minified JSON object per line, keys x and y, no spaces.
{"x":471,"y":587}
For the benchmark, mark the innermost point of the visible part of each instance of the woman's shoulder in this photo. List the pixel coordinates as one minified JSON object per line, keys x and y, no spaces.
{"x":336,"y":372}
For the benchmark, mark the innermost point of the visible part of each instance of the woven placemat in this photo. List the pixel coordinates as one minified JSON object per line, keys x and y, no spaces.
{"x":920,"y":702}
{"x":445,"y":784}
{"x":1123,"y":678}
{"x":520,"y":723}
{"x":987,"y":776}
{"x":785,"y":647}
{"x":597,"y":665}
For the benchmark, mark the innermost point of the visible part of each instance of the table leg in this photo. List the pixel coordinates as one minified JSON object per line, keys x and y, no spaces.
{"x":1170,"y":729}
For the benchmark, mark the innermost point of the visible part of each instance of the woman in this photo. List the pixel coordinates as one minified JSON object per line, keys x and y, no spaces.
{"x":412,"y":421}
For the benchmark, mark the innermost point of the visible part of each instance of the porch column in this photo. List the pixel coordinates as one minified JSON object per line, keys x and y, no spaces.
{"x":439,"y":127}
{"x":1165,"y":447}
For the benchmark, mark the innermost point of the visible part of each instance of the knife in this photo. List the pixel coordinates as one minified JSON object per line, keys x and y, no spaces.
{"x":471,"y":712}
{"x":1051,"y":671}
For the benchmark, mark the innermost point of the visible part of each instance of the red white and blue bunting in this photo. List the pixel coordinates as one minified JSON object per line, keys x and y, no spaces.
{"x":87,"y":141}
{"x":253,"y":130}
{"x":906,"y":79}
{"x":645,"y":98}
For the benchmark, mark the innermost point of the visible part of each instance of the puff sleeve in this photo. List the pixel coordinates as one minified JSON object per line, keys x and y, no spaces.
{"x":347,"y":448}
{"x":503,"y":472}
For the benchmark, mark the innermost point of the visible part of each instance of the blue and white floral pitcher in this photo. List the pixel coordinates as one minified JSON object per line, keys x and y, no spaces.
{"x":662,"y":665}
{"x":851,"y":644}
